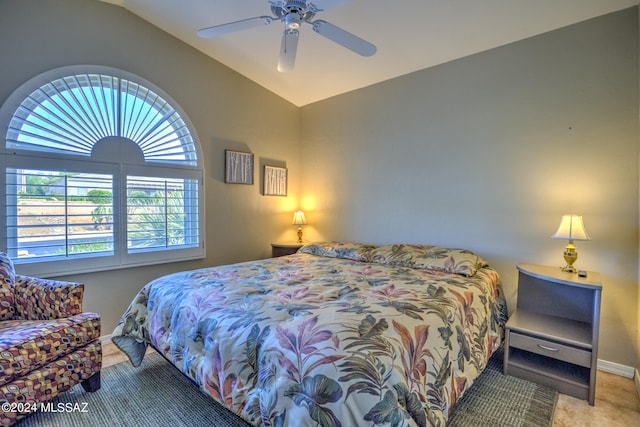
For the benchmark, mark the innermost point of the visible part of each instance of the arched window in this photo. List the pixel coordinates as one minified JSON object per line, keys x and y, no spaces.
{"x":102,"y":170}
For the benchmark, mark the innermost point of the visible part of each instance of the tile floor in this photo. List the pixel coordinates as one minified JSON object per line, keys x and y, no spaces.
{"x":617,"y":404}
{"x":617,"y":401}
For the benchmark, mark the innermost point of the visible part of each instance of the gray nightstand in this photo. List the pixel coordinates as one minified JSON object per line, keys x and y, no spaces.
{"x":278,"y":249}
{"x":552,"y":337}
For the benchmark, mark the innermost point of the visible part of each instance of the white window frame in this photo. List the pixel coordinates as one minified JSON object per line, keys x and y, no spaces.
{"x":119,"y":168}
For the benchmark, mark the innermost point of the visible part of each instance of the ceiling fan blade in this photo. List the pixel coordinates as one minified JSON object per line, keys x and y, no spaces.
{"x":231,"y":27}
{"x":344,"y":38}
{"x":288,"y":49}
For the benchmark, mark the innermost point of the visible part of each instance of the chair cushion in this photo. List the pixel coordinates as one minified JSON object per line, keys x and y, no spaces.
{"x":50,"y":380}
{"x":7,"y":280}
{"x":26,"y":345}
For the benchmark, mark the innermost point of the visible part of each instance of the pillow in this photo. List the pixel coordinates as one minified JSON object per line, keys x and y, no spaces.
{"x":7,"y":280}
{"x":456,"y":261}
{"x":352,"y":251}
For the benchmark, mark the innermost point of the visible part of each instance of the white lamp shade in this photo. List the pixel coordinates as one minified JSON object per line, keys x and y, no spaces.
{"x":298,"y":218}
{"x":571,"y":228}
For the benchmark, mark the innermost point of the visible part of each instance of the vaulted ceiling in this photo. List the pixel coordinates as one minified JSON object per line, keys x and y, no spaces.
{"x":410,"y":35}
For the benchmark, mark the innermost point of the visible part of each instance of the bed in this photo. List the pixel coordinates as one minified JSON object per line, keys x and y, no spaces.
{"x":338,"y":334}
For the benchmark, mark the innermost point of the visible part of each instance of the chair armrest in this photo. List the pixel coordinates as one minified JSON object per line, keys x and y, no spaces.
{"x":42,"y":299}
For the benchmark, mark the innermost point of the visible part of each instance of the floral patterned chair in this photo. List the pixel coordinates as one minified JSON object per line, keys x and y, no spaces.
{"x":47,"y":344}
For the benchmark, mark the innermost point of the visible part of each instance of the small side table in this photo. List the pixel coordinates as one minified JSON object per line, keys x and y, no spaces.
{"x":282,"y":249}
{"x":552,"y":338}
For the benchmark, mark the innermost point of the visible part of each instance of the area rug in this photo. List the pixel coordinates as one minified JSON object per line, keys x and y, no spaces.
{"x":155,"y":394}
{"x":499,"y":400}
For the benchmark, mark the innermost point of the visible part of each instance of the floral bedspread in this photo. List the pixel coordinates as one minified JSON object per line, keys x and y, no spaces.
{"x":339,"y":334}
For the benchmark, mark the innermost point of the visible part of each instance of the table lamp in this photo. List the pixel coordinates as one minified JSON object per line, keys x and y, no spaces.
{"x":299,"y":220}
{"x":571,"y":228}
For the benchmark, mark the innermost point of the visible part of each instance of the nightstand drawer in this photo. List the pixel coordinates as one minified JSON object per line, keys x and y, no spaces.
{"x":550,"y":349}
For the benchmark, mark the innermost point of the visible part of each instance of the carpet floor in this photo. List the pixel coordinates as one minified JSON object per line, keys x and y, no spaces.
{"x":499,"y":400}
{"x":172,"y":400}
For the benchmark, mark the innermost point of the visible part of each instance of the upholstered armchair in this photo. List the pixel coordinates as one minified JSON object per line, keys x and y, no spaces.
{"x":47,"y":344}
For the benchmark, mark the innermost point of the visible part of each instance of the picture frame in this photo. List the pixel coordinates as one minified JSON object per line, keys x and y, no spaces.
{"x":238,"y":167}
{"x":275,"y":181}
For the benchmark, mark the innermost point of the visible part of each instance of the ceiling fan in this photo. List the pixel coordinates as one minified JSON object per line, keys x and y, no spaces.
{"x":294,"y":13}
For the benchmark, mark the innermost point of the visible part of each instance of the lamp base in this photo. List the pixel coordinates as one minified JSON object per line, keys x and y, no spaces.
{"x":570,"y":256}
{"x":299,"y":234}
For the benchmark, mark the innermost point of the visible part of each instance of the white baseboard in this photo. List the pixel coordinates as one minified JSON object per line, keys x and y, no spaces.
{"x":616,"y":368}
{"x":105,"y":339}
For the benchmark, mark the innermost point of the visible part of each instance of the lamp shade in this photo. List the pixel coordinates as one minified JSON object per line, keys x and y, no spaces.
{"x":298,"y":218}
{"x":571,"y":228}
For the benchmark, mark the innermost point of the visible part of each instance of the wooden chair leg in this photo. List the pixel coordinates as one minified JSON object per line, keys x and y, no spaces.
{"x":92,"y":383}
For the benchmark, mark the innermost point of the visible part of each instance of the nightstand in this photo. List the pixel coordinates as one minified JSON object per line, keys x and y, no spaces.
{"x":278,"y":249}
{"x":552,"y":337}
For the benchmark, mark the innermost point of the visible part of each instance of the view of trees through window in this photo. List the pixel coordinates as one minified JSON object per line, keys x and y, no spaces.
{"x":158,"y":213}
{"x":60,"y":214}
{"x":72,"y":213}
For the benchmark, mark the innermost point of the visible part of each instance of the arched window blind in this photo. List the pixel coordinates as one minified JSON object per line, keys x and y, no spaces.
{"x":71,"y":114}
{"x":101,"y":171}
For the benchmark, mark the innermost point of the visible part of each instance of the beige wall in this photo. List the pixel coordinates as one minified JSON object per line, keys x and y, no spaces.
{"x":487,"y":153}
{"x":228,"y":111}
{"x":637,"y":372}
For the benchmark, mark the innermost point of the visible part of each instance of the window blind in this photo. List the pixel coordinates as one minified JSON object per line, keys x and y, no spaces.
{"x":161,"y":213}
{"x":51,"y":214}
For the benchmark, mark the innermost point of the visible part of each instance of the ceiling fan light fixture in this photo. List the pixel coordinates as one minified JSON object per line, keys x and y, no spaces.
{"x":292,"y":21}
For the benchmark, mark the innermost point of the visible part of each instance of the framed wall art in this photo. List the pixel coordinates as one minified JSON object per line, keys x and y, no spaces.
{"x":238,"y":167}
{"x":275,"y":181}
